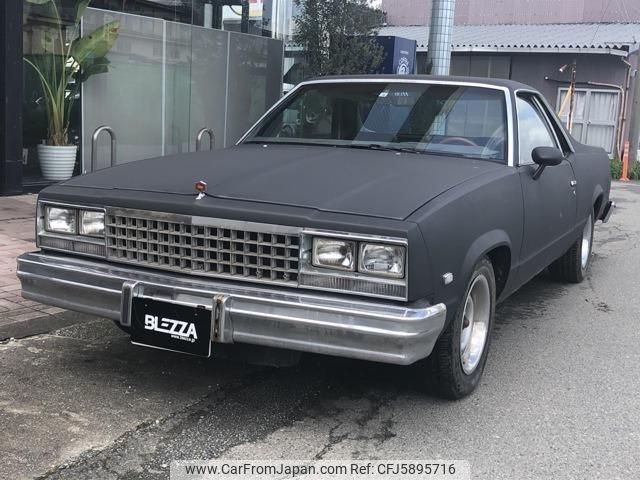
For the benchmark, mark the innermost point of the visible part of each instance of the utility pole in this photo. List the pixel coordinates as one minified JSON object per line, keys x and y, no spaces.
{"x":571,"y":92}
{"x":634,"y":125}
{"x":572,"y":100}
{"x":439,"y":54}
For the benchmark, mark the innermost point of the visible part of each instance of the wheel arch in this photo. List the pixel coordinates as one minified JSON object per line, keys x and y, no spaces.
{"x":496,"y":245}
{"x":597,"y":201}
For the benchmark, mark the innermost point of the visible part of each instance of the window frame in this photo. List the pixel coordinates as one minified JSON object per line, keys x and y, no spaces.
{"x":533,"y":98}
{"x":508,"y":103}
{"x":554,"y":120}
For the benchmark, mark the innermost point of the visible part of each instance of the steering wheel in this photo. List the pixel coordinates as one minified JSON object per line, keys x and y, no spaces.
{"x":458,"y":141}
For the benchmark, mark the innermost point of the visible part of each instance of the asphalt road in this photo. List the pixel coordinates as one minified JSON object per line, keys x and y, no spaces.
{"x":560,"y":397}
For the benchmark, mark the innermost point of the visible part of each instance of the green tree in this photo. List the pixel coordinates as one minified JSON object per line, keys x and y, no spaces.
{"x":337,"y":36}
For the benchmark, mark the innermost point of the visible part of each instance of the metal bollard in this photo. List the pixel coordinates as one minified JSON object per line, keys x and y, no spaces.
{"x":212,"y":139}
{"x":94,"y":142}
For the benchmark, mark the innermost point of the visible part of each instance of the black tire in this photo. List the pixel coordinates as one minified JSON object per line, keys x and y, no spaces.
{"x":447,"y":373}
{"x":569,"y":268}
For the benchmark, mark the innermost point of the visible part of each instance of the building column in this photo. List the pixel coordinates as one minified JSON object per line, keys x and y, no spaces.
{"x":11,"y":95}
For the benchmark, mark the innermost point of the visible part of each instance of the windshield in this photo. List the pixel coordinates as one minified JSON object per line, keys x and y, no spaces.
{"x":421,"y":118}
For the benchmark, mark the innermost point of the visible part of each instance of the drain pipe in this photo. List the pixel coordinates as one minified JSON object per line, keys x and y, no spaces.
{"x":634,"y":123}
{"x":439,"y":53}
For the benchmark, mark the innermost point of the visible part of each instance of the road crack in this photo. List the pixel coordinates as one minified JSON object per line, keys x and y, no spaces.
{"x":366,"y":427}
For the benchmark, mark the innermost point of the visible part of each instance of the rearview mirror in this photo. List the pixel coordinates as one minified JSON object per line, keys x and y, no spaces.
{"x":546,"y":157}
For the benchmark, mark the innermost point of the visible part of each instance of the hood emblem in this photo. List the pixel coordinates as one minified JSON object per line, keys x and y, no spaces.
{"x":201,"y":188}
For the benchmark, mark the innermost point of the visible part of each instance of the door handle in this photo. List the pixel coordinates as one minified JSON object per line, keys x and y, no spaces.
{"x":573,"y":183}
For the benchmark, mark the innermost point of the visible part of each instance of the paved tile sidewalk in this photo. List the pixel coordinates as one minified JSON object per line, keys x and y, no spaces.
{"x":17,"y":235}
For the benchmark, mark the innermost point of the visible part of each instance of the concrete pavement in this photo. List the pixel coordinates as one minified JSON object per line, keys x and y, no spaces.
{"x":559,"y":398}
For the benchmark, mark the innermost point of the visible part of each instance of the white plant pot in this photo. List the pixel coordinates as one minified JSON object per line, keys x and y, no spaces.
{"x":57,"y":163}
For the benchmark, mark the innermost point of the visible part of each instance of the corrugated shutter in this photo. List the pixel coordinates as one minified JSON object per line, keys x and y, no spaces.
{"x":595,"y":116}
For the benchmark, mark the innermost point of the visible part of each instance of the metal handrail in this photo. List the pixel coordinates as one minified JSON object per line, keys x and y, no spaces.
{"x":94,"y":143}
{"x":212,"y":139}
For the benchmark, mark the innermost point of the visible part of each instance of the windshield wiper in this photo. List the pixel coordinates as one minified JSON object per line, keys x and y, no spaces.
{"x":363,"y":146}
{"x":382,"y":148}
{"x":494,"y":156}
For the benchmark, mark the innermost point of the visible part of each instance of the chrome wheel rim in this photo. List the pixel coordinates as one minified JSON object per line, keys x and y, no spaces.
{"x":586,"y":242}
{"x":475,"y":324}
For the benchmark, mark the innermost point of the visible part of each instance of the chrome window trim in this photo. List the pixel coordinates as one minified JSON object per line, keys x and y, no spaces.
{"x":534,"y":103}
{"x":507,"y":95}
{"x":549,"y":115}
{"x":545,"y":116}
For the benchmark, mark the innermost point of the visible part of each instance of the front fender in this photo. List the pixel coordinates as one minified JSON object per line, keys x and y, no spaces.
{"x":480,"y":247}
{"x":461,"y":226}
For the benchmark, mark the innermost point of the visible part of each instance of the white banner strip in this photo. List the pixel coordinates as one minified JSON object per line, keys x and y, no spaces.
{"x":321,"y":470}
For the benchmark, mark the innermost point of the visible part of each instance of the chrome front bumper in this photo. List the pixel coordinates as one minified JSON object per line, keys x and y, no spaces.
{"x":284,"y":318}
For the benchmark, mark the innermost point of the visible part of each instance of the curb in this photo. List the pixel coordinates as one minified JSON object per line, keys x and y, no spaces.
{"x":41,"y":325}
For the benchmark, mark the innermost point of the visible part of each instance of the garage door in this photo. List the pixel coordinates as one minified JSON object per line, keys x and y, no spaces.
{"x":595,"y":116}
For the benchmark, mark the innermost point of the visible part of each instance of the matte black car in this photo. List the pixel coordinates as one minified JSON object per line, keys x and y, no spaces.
{"x":378,"y":218}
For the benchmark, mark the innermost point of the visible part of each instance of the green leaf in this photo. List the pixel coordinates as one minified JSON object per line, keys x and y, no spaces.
{"x":81,"y":6}
{"x":94,"y":67}
{"x":38,"y":2}
{"x":96,"y":44}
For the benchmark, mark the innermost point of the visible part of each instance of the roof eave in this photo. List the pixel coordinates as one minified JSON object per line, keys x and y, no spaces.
{"x":476,"y":49}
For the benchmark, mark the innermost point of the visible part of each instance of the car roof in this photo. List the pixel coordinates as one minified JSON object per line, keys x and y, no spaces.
{"x":499,"y":82}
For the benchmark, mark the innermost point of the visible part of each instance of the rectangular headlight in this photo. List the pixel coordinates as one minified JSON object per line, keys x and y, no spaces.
{"x":91,"y":223}
{"x":60,"y":220}
{"x":382,"y":260}
{"x":335,"y":254}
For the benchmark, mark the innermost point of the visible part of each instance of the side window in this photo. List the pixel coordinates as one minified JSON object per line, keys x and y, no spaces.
{"x":555,"y":123}
{"x":532,"y":128}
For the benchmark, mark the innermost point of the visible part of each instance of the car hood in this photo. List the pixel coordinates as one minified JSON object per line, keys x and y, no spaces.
{"x":352,"y":181}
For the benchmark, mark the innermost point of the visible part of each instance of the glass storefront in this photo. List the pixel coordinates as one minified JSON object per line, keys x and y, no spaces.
{"x":155,"y":71}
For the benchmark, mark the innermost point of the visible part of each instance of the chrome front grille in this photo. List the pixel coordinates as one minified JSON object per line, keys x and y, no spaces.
{"x":204,"y":246}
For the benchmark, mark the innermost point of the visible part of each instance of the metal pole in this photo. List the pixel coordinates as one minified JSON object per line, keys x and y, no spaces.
{"x":94,"y":145}
{"x":439,"y":53}
{"x":212,"y":139}
{"x":572,"y":94}
{"x":244,"y":21}
{"x":634,"y":125}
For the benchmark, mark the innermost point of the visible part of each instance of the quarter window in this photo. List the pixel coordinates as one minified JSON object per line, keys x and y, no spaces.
{"x":533,"y":129}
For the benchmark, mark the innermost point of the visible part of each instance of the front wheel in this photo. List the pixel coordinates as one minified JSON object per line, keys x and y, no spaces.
{"x":459,"y":356}
{"x":572,"y":267}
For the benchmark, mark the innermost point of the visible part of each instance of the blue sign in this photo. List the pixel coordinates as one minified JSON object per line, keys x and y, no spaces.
{"x":400,"y":55}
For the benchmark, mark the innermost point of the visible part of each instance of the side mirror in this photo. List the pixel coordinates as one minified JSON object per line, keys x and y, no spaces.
{"x":546,"y":157}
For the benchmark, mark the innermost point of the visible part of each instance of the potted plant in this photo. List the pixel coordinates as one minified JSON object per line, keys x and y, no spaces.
{"x":62,"y":65}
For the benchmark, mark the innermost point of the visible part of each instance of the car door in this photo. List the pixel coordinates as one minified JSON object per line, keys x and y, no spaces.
{"x":550,"y":202}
